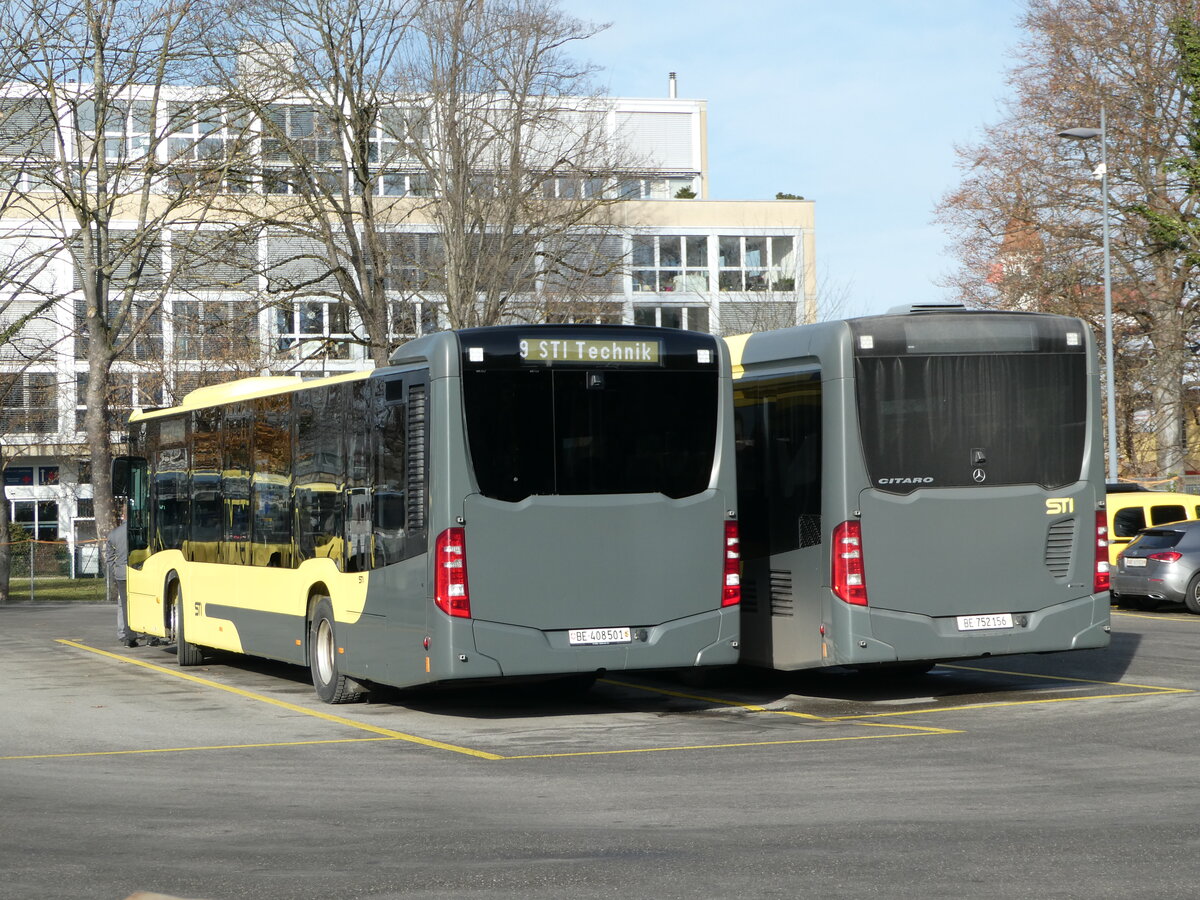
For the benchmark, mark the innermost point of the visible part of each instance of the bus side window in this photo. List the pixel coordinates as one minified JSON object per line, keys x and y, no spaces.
{"x":358,"y":479}
{"x":320,"y":466}
{"x":207,"y":502}
{"x":1129,"y":521}
{"x":271,"y":484}
{"x":388,"y":455}
{"x":235,"y":484}
{"x":171,"y":500}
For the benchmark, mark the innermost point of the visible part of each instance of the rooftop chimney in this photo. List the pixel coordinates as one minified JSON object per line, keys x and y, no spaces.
{"x":671,"y":87}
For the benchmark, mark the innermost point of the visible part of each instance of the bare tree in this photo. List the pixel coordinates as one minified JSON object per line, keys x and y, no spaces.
{"x":1027,"y":218}
{"x":317,"y":78}
{"x":521,"y":156}
{"x":103,"y":178}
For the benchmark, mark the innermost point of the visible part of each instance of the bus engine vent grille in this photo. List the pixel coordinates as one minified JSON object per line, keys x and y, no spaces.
{"x":782,"y":603}
{"x":1059,"y":541}
{"x":417,"y":442}
{"x":750,"y":595}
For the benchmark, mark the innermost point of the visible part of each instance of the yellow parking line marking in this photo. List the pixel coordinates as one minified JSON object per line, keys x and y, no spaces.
{"x":189,"y":749}
{"x":1160,"y":617}
{"x":999,"y":703}
{"x":1148,"y":687}
{"x":283,"y":704}
{"x":915,"y":732}
{"x":751,"y":707}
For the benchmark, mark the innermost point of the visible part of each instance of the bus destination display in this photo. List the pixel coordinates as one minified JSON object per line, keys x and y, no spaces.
{"x":551,"y":350}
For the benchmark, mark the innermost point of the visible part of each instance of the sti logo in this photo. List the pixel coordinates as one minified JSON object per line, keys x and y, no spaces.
{"x":1057,"y":506}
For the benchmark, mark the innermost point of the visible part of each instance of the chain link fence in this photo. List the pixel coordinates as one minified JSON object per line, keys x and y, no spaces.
{"x":48,"y":572}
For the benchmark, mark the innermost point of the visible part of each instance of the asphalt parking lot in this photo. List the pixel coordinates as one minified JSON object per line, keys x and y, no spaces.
{"x":1055,"y":776}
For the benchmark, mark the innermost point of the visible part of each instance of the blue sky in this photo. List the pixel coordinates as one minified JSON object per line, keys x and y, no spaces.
{"x":855,"y":106}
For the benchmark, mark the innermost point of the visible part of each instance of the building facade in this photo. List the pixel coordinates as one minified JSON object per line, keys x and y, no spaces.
{"x":677,"y":258}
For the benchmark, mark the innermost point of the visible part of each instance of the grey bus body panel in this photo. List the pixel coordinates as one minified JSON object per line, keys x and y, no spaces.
{"x":539,"y":563}
{"x":708,"y":638}
{"x":944,"y":552}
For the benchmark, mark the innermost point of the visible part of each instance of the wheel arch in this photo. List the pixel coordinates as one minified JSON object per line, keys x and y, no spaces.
{"x":171,"y":584}
{"x":316,"y":591}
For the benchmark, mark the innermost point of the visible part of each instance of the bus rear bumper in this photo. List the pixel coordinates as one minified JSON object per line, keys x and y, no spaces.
{"x":1077,"y":624}
{"x":707,"y":639}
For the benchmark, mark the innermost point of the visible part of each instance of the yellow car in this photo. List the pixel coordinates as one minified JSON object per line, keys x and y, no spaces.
{"x":1129,"y":511}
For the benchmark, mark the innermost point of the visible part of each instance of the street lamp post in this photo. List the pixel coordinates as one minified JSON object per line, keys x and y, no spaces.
{"x":1084,"y":134}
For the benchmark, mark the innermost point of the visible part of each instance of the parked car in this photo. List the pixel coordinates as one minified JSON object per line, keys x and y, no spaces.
{"x":1160,"y":565}
{"x":1129,"y":511}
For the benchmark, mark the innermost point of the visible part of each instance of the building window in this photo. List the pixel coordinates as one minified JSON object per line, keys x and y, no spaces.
{"x":201,"y":138}
{"x":653,"y":188}
{"x":126,"y":128}
{"x":126,"y":391}
{"x":314,"y":329}
{"x":572,"y":187}
{"x":218,"y":331}
{"x":756,"y":263}
{"x":405,"y":315}
{"x":693,"y":318}
{"x":669,"y":262}
{"x":292,"y":133}
{"x":30,"y":406}
{"x":38,"y":517}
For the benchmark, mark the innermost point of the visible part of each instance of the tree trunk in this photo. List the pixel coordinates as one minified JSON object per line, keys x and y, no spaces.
{"x":1166,"y":388}
{"x":97,"y":427}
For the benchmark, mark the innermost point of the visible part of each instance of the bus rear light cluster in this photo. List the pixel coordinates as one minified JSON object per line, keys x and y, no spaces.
{"x":731,"y":590}
{"x":450,"y":593}
{"x":1101,"y":581}
{"x":849,"y":579}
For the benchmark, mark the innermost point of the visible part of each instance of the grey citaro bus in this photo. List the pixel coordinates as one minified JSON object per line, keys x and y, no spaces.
{"x":920,"y":486}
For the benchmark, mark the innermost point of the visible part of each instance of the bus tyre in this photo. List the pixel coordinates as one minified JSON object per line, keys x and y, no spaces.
{"x":187,"y":653}
{"x":1191,"y":599}
{"x":332,"y":686}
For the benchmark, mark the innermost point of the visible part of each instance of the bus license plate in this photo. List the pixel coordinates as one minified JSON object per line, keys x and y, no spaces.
{"x":599,"y":636}
{"x":983,"y":623}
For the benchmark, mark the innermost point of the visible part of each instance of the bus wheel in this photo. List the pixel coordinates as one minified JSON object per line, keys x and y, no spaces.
{"x":1191,"y":599}
{"x":332,"y":686}
{"x":186,"y":653}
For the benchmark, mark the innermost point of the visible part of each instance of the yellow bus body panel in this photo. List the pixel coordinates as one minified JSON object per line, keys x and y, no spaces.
{"x":260,"y":588}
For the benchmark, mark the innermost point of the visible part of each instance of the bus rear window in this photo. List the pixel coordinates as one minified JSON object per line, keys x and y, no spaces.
{"x":980,"y":419}
{"x":547,"y":430}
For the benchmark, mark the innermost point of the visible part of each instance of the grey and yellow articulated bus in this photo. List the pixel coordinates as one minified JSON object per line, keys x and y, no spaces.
{"x":920,"y":486}
{"x":506,"y":501}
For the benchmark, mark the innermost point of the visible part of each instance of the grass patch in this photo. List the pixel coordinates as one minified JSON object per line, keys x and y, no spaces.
{"x":56,"y":590}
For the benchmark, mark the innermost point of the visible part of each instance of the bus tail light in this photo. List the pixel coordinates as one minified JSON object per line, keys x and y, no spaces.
{"x":848,"y":577}
{"x":1100,"y":581}
{"x":731,"y":590}
{"x":450,"y":592}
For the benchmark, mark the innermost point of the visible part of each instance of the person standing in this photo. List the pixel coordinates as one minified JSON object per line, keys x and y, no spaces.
{"x":116,"y":557}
